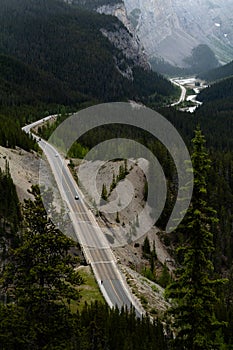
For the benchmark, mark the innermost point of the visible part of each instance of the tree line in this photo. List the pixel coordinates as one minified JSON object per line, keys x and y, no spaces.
{"x":38,"y":284}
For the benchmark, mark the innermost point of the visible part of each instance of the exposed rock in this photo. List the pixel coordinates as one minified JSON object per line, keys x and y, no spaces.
{"x":130,"y":48}
{"x":118,"y":10}
{"x":172,"y":28}
{"x":125,"y":39}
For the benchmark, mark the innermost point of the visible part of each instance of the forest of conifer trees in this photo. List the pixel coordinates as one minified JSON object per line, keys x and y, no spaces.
{"x":40,"y":75}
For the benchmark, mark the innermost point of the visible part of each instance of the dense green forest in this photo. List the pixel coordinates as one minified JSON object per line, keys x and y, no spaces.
{"x":65,"y":44}
{"x":163,"y":67}
{"x":38,"y":283}
{"x":54,"y":59}
{"x":194,"y":290}
{"x":218,"y":73}
{"x":22,"y":83}
{"x":94,"y":4}
{"x":221,"y":92}
{"x":53,"y":56}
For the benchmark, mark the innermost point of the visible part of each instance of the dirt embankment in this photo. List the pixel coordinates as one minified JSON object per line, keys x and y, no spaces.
{"x":24,"y":169}
{"x":118,"y":214}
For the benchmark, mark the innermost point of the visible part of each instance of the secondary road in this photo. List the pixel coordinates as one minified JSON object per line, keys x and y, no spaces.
{"x":94,"y":244}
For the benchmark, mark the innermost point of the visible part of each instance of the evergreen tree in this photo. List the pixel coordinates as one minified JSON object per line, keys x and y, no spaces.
{"x":113,"y":184}
{"x":104,"y":193}
{"x":193,"y":292}
{"x":146,"y":247}
{"x":126,"y":167}
{"x":117,"y":218}
{"x":121,"y":174}
{"x":39,"y":275}
{"x":165,"y":277}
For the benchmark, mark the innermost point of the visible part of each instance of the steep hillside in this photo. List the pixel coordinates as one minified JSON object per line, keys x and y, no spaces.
{"x":171,"y":29}
{"x":218,"y":73}
{"x":93,"y":4}
{"x":222,"y":90}
{"x":22,"y":83}
{"x":70,"y":48}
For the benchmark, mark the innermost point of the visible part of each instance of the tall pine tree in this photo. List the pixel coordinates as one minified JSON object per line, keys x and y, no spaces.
{"x":39,"y":276}
{"x":193,"y":293}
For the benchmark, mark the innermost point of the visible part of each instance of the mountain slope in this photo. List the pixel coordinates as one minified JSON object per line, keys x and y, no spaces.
{"x":66,"y":44}
{"x":170,"y":29}
{"x":93,"y":4}
{"x":219,"y":91}
{"x":218,"y":73}
{"x":22,"y":83}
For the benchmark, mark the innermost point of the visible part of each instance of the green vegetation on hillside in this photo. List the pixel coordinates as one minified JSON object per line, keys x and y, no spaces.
{"x":218,"y":73}
{"x":64,"y":45}
{"x":94,"y":4}
{"x":9,"y":203}
{"x":201,"y":60}
{"x":220,"y":92}
{"x":193,"y":293}
{"x":11,"y":135}
{"x":37,"y":287}
{"x":163,"y":67}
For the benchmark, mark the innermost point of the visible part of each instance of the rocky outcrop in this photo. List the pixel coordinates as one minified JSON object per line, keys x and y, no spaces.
{"x":172,"y":28}
{"x":118,"y":10}
{"x":125,"y":39}
{"x":130,"y":49}
{"x":123,"y":35}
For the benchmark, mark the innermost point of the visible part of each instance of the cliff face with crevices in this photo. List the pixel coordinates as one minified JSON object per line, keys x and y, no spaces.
{"x":123,"y":37}
{"x":172,"y":28}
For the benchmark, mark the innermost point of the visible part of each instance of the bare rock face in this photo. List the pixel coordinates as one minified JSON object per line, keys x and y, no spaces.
{"x":118,"y":10}
{"x":125,"y":39}
{"x":123,"y":36}
{"x":172,"y":28}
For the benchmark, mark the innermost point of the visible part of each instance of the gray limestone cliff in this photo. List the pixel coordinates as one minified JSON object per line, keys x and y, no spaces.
{"x":172,"y":28}
{"x":125,"y":39}
{"x":123,"y":35}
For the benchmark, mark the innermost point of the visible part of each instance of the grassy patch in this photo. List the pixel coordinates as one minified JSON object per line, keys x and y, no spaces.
{"x":155,"y":289}
{"x":89,"y":291}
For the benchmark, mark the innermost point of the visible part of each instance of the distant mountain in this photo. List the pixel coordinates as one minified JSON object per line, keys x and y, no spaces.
{"x":222,"y":72}
{"x":62,"y":54}
{"x":171,"y":29}
{"x":200,"y":60}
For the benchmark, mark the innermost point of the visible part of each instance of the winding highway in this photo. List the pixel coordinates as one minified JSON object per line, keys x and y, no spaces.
{"x":182,"y":94}
{"x":95,"y":246}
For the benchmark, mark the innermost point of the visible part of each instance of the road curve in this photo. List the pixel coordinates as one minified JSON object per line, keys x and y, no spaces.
{"x":95,"y":246}
{"x":182,"y":94}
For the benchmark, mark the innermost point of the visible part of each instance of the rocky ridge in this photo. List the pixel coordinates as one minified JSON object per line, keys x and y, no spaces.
{"x":123,"y":37}
{"x":170,"y":29}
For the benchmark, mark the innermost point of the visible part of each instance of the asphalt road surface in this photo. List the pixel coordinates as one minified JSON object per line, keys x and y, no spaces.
{"x":94,"y":244}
